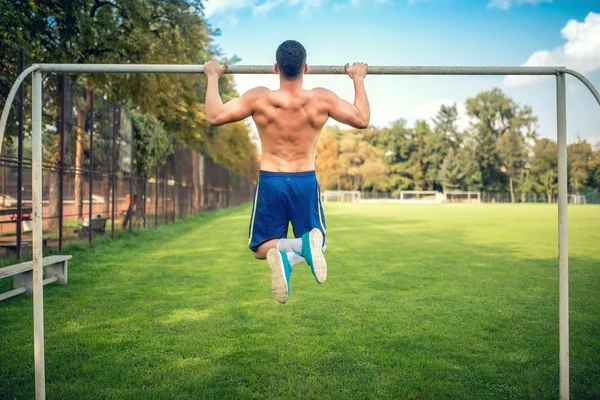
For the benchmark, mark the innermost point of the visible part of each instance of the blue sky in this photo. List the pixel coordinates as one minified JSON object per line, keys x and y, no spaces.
{"x":427,"y":32}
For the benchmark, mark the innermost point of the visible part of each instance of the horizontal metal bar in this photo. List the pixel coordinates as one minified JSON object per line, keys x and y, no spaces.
{"x":312,"y":69}
{"x":267,"y":69}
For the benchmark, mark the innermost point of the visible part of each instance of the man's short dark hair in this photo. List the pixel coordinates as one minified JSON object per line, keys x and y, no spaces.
{"x":291,"y":57}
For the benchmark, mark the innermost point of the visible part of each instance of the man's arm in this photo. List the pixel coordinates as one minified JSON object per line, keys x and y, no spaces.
{"x":356,"y":115}
{"x":218,"y":113}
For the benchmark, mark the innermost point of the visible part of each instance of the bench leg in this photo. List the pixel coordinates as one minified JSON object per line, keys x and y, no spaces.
{"x":24,"y":279}
{"x":59,"y":270}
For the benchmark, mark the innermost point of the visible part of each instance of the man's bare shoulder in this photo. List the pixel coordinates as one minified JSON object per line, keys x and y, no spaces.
{"x":324,"y":94}
{"x":258,"y":91}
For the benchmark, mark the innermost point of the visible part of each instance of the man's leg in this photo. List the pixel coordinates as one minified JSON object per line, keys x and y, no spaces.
{"x":268,"y":224}
{"x":308,"y":222}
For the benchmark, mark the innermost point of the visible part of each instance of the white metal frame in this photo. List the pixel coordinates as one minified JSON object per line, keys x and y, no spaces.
{"x":424,"y":192}
{"x":329,"y":194}
{"x":38,"y":69}
{"x":468,"y":193}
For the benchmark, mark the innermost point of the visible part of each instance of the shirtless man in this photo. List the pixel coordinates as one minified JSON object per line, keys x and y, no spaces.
{"x":289,"y":122}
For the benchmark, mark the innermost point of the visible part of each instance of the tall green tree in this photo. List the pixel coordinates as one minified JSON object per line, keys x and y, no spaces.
{"x":361,"y":166}
{"x":512,"y":152}
{"x":579,"y":157}
{"x":544,"y":167}
{"x":494,"y":115}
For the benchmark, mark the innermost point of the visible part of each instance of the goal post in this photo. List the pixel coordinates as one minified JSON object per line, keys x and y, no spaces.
{"x":462,"y":197}
{"x":341,"y":196}
{"x":577,"y":199}
{"x":421,"y":196}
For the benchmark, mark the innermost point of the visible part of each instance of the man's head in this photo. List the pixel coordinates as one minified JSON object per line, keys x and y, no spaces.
{"x":291,"y":59}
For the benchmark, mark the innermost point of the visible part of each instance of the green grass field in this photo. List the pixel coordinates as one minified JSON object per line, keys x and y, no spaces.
{"x":421,"y":302}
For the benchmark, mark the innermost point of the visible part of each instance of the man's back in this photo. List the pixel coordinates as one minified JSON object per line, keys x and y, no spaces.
{"x":289,"y":120}
{"x":289,"y":124}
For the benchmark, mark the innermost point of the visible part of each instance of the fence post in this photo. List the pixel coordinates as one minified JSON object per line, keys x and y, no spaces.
{"x":114,"y":169}
{"x":61,"y":161}
{"x":20,"y":160}
{"x":156,"y":198}
{"x":166,"y":214}
{"x":144,"y":199}
{"x":131,"y":204}
{"x":91,"y":174}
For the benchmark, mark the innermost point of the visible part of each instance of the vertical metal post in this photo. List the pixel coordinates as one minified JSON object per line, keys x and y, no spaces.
{"x":563,"y":236}
{"x":38,"y":300}
{"x":156,"y":198}
{"x":114,"y":170}
{"x":91,"y":174}
{"x":131,"y":204}
{"x":61,"y":171}
{"x":144,"y":200}
{"x":20,"y":159}
{"x":166,"y":182}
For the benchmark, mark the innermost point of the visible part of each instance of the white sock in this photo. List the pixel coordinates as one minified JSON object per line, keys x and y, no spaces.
{"x":294,"y":258}
{"x":288,"y":245}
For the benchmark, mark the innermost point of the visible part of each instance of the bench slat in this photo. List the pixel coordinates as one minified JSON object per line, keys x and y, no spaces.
{"x":12,"y":293}
{"x":28,"y":265}
{"x":52,"y":279}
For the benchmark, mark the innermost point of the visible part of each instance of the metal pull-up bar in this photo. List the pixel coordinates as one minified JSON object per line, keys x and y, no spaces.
{"x":38,"y":69}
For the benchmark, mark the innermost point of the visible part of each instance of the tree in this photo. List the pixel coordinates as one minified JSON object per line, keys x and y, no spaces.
{"x":579,"y":157}
{"x":360,"y":163}
{"x":595,"y":168}
{"x":137,"y":31}
{"x":494,"y":114}
{"x":450,"y":174}
{"x":445,"y":125}
{"x":460,"y":170}
{"x":327,"y":163}
{"x":512,"y":153}
{"x":544,"y":167}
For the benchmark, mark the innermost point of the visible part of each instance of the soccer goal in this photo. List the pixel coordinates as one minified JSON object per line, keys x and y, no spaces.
{"x":577,"y":199}
{"x":341,"y":196}
{"x":421,"y":196}
{"x":462,"y":197}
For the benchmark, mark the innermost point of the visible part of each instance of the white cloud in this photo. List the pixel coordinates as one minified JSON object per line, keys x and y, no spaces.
{"x":307,"y":5}
{"x":507,"y":4}
{"x":358,"y":2}
{"x":260,"y":7}
{"x":581,"y":51}
{"x":265,"y":7}
{"x":216,"y":6}
{"x":500,"y":4}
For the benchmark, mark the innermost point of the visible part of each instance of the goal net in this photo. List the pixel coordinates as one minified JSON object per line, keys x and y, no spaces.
{"x":421,"y":196}
{"x":462,"y":197}
{"x":341,"y":196}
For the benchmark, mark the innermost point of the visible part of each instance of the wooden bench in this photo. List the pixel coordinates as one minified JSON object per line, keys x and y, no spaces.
{"x":98,"y":227}
{"x":56,"y":271}
{"x":11,"y":247}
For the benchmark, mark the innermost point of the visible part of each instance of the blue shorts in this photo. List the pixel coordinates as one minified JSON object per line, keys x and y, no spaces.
{"x":281,"y":198}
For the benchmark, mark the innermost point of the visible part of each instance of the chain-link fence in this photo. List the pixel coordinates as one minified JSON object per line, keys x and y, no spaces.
{"x":90,"y":184}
